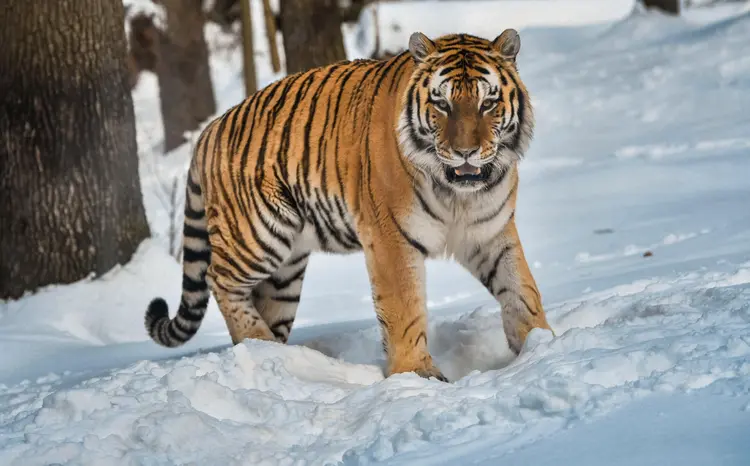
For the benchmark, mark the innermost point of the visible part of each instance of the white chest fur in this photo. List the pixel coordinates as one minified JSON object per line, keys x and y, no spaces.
{"x":455,"y":224}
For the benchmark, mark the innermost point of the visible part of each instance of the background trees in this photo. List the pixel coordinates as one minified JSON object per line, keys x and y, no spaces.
{"x":312,"y":33}
{"x":70,"y":200}
{"x":249,"y":50}
{"x":70,"y":197}
{"x":187,"y":96}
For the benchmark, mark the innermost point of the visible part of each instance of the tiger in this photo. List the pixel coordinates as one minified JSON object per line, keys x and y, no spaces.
{"x":403,"y":159}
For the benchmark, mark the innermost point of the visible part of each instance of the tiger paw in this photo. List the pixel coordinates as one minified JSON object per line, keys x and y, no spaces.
{"x":432,"y":372}
{"x":427,"y":371}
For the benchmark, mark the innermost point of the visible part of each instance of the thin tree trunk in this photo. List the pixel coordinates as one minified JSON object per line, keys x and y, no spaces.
{"x":669,"y":6}
{"x":144,"y":46}
{"x":70,"y":197}
{"x":271,"y":35}
{"x":185,"y":88}
{"x":312,"y":34}
{"x":248,"y":48}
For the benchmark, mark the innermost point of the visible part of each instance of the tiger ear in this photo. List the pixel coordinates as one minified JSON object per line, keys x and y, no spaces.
{"x":420,"y":46}
{"x":508,"y":44}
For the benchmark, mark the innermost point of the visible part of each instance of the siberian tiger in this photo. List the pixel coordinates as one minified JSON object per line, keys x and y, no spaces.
{"x":407,"y":158}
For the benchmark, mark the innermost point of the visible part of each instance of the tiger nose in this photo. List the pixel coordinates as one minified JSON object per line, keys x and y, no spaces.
{"x":466,"y":153}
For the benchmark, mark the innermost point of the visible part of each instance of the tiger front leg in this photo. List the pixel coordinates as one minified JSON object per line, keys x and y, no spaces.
{"x":502,"y":268}
{"x":397,"y":276}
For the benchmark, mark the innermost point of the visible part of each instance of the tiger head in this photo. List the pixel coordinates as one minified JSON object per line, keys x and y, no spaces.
{"x":466,"y":116}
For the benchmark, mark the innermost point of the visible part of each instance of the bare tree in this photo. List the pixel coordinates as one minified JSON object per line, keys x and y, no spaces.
{"x":144,"y":39}
{"x":312,"y":33}
{"x":70,"y":197}
{"x":185,"y":88}
{"x":248,"y":48}
{"x":670,"y":6}
{"x":273,"y":47}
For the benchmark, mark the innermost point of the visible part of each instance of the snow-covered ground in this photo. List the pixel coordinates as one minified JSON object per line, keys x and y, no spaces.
{"x":634,"y":210}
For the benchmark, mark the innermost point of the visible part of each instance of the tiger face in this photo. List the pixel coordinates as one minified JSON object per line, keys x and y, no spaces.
{"x":467,"y":115}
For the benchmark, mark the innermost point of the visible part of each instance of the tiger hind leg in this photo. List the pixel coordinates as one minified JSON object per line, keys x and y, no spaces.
{"x":236,"y":305}
{"x":277,"y":297}
{"x":247,"y":250}
{"x":234,"y":274}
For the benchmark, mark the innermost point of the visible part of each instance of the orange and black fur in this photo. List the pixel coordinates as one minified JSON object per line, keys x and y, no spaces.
{"x":407,"y":158}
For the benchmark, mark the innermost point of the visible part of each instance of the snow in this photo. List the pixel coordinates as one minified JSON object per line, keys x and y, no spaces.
{"x":394,"y":21}
{"x":642,"y":145}
{"x":326,"y":400}
{"x":676,"y":423}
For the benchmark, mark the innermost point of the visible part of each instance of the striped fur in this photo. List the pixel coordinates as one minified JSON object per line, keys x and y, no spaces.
{"x":404,"y":159}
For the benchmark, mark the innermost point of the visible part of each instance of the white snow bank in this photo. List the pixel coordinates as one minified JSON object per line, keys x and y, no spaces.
{"x":60,"y":307}
{"x":663,"y":429}
{"x":65,"y":327}
{"x":265,"y":403}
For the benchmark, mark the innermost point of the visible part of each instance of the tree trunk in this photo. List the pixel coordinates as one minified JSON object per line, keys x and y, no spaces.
{"x":185,"y":88}
{"x":70,"y":197}
{"x":670,"y":6}
{"x":248,"y":50}
{"x":273,"y":48}
{"x":312,"y":34}
{"x":144,"y":43}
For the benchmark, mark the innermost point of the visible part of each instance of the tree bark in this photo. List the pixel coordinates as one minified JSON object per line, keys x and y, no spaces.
{"x":273,"y":47}
{"x":70,"y":197}
{"x":248,"y":50}
{"x":312,"y":33}
{"x":669,"y":6}
{"x":185,"y":88}
{"x":224,"y":12}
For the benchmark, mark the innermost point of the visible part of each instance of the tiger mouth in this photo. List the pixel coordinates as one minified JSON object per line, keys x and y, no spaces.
{"x":467,"y":173}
